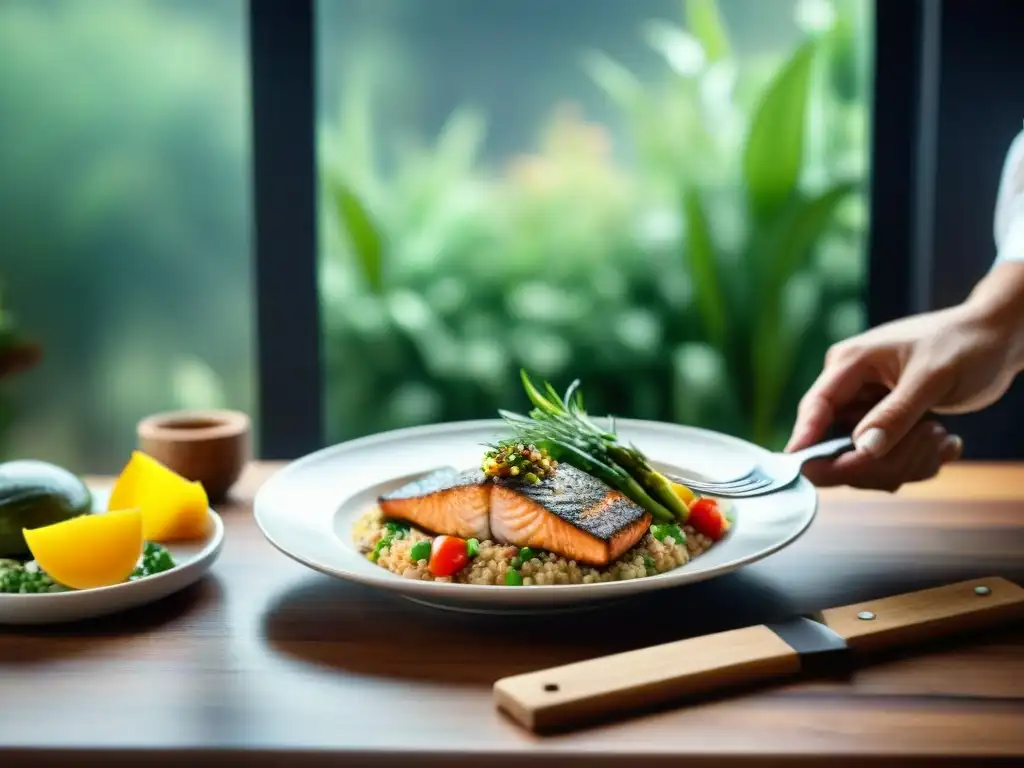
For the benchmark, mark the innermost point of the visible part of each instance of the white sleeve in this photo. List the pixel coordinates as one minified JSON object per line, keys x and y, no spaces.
{"x":1009,"y":213}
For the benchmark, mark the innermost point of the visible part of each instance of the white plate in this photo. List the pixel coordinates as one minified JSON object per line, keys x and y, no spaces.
{"x":192,"y":561}
{"x":307,"y":509}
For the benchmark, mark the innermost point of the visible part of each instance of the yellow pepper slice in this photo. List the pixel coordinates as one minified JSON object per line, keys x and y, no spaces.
{"x":173,"y":508}
{"x":89,"y":551}
{"x":684,"y":493}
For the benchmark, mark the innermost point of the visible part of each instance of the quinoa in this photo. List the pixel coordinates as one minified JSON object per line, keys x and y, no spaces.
{"x":648,"y":557}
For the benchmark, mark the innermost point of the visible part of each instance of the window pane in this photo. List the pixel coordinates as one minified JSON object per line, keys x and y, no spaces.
{"x":660,"y":202}
{"x":124,"y":208}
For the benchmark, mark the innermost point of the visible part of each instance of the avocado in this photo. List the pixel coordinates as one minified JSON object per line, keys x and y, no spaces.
{"x":34,"y":494}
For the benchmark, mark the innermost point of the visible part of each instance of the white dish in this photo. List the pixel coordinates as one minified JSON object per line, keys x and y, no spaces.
{"x":307,"y":509}
{"x":192,"y":561}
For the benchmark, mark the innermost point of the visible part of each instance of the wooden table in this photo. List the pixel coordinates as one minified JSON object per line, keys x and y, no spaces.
{"x":267,"y":663}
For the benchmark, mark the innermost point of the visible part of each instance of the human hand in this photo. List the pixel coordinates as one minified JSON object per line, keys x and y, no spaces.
{"x":883,"y":383}
{"x":918,"y":456}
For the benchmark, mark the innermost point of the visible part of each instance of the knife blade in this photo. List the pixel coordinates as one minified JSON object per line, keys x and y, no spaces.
{"x":803,"y":646}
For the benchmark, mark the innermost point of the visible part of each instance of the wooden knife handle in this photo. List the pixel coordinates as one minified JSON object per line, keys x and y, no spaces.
{"x":926,"y":615}
{"x":575,"y":693}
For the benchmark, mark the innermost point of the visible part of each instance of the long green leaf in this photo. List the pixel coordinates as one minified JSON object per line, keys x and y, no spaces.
{"x":357,"y":131}
{"x":775,"y":352}
{"x":774,"y":150}
{"x":680,"y":49}
{"x":783,"y":247}
{"x":702,"y":265}
{"x":459,"y":144}
{"x":363,"y":236}
{"x":704,"y":21}
{"x":618,"y":82}
{"x":778,"y":254}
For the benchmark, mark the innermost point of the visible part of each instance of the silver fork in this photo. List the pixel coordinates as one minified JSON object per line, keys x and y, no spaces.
{"x":777,"y":471}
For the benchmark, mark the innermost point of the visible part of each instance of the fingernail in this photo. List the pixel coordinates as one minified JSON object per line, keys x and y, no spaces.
{"x":794,"y":440}
{"x":872,"y":441}
{"x":952,"y":445}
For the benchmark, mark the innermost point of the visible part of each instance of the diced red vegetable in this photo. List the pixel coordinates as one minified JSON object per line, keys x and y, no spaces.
{"x":448,"y":556}
{"x":706,"y":517}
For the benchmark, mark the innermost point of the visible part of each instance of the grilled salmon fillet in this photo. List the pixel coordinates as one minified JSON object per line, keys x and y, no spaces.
{"x":445,"y":501}
{"x":570,"y":513}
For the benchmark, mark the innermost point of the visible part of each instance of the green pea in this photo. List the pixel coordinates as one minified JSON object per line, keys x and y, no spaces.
{"x":648,"y":562}
{"x":420,"y":551}
{"x":517,"y":562}
{"x":659,"y":531}
{"x":379,"y":547}
{"x":513,"y":579}
{"x":527,"y":554}
{"x":472,"y":547}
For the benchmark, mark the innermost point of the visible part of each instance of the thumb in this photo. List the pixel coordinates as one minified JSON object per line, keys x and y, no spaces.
{"x":914,"y":395}
{"x":835,"y":389}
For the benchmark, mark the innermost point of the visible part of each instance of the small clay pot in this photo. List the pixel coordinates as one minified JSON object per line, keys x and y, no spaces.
{"x":211,"y":447}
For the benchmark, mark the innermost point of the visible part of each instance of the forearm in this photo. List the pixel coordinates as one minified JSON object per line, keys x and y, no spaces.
{"x":997,"y":301}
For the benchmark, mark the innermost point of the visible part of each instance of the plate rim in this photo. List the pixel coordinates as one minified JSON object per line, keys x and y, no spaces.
{"x":610,"y":589}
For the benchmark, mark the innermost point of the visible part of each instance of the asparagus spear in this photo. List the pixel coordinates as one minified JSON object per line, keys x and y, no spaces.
{"x":656,"y":483}
{"x":562,"y":423}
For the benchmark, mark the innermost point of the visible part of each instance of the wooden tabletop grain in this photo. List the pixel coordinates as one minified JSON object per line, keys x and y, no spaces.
{"x":267,"y":663}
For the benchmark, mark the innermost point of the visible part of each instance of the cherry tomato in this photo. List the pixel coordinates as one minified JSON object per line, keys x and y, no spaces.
{"x":706,"y":517}
{"x":448,"y":555}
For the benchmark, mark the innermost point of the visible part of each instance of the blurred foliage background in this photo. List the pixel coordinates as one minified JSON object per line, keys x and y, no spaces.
{"x":124,"y":218}
{"x":689,"y":251}
{"x":664,"y":198}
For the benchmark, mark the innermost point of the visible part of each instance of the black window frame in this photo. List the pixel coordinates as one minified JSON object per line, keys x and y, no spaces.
{"x":289,"y":418}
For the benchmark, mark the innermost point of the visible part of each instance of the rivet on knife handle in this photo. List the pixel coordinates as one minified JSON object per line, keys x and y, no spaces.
{"x":927,"y":614}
